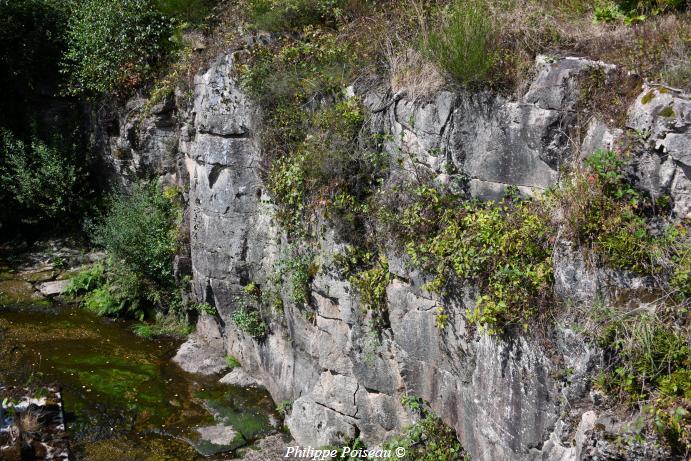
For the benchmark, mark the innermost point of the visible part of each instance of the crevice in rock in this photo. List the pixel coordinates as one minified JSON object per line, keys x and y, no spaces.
{"x":214,"y":174}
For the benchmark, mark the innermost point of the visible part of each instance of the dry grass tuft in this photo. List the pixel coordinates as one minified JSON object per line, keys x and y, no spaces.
{"x":411,"y":73}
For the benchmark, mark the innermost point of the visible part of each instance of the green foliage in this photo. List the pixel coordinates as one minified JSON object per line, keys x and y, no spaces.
{"x":633,"y":11}
{"x":279,"y":15}
{"x":250,"y":321}
{"x":412,"y":402}
{"x":205,"y":308}
{"x":602,"y":209}
{"x":371,"y":285}
{"x":140,"y":231}
{"x":428,"y":440}
{"x":503,"y":247}
{"x":31,"y":43}
{"x":43,"y":181}
{"x":188,"y":11}
{"x":86,"y":280}
{"x":299,"y":269}
{"x":139,"y":234}
{"x":645,"y":352}
{"x":163,"y":325}
{"x":313,"y":150}
{"x":648,"y":359}
{"x":284,"y":408}
{"x":114,"y":45}
{"x":232,"y":362}
{"x":462,"y":46}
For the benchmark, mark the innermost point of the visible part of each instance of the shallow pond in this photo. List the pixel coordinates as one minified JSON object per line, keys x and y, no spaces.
{"x":123,"y":396}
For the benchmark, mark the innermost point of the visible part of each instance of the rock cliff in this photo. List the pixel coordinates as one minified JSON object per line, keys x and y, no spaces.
{"x":508,"y":397}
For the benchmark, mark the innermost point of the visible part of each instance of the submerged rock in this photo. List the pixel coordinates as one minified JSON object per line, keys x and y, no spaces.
{"x":217,"y":439}
{"x":238,"y":377}
{"x":198,"y":355}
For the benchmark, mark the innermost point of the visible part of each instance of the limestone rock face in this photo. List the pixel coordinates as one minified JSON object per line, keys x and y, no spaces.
{"x":661,"y":120}
{"x":139,"y":141}
{"x":508,"y":398}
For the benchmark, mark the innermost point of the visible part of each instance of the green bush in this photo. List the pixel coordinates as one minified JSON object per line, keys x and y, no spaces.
{"x":279,"y":15}
{"x":140,"y":231}
{"x":45,"y":182}
{"x":371,"y":285}
{"x":503,"y":247}
{"x":462,"y":46}
{"x":250,"y":321}
{"x":648,"y":361}
{"x":428,"y":440}
{"x":115,"y":45}
{"x":32,"y":34}
{"x":298,"y":269}
{"x":86,"y":280}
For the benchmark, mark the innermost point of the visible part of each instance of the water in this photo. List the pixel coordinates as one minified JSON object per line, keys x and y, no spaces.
{"x":123,"y":396}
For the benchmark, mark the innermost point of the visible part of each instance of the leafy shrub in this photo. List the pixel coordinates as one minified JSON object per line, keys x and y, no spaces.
{"x":139,"y":234}
{"x":299,"y":269}
{"x":140,"y":230}
{"x":427,"y":440}
{"x":503,"y":247}
{"x":462,"y":46}
{"x":371,"y":285}
{"x":601,"y":209}
{"x":86,"y":280}
{"x":114,"y":45}
{"x":45,"y":181}
{"x":250,"y":321}
{"x":277,"y":15}
{"x":31,"y":44}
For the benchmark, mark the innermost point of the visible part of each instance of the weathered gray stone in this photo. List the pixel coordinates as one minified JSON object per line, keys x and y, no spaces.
{"x":506,"y":397}
{"x":53,"y":288}
{"x":201,"y":355}
{"x":238,"y":377}
{"x":661,"y":119}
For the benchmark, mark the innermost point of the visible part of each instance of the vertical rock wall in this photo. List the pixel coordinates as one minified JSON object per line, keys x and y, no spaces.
{"x":508,"y":398}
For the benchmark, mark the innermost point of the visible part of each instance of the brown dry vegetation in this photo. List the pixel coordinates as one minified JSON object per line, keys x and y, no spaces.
{"x":388,"y":40}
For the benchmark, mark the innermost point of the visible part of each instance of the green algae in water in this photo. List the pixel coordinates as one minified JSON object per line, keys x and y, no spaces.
{"x":117,"y":384}
{"x":248,"y":411}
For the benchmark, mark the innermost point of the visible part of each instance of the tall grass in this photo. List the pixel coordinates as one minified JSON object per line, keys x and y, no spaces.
{"x":461,"y":46}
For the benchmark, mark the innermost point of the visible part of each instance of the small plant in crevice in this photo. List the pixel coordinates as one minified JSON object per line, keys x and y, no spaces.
{"x":298,"y":269}
{"x":248,"y":319}
{"x":232,"y":362}
{"x":367,"y":271}
{"x":284,"y":408}
{"x":429,"y":439}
